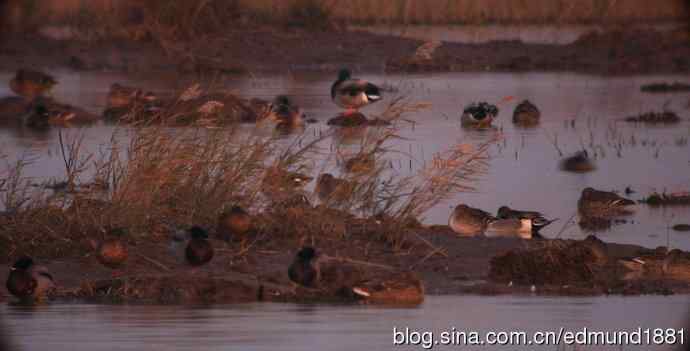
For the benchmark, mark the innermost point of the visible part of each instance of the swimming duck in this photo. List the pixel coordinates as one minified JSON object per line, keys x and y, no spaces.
{"x":537,"y":219}
{"x":329,"y":187}
{"x":199,"y":251}
{"x":27,"y":281}
{"x":287,"y":115}
{"x":234,"y":224}
{"x":597,"y":203}
{"x":579,"y":163}
{"x":469,"y":221}
{"x":526,"y":113}
{"x":112,"y":252}
{"x":305,"y":269}
{"x":353,"y":94}
{"x":31,"y":84}
{"x":478,"y":114}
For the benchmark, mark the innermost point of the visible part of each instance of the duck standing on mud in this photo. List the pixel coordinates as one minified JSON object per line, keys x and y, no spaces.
{"x":352,"y":93}
{"x":29,"y":282}
{"x":199,"y":250}
{"x":31,"y":84}
{"x":537,"y":219}
{"x":305,"y":269}
{"x":478,"y":115}
{"x":234,"y":225}
{"x":597,"y":203}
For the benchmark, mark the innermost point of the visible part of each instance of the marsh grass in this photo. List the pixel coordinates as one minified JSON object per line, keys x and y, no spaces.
{"x":152,"y":179}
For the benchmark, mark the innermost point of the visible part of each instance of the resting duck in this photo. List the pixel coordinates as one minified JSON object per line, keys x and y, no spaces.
{"x":597,"y":203}
{"x":112,"y":252}
{"x":579,"y":163}
{"x":362,"y":163}
{"x":526,"y":113}
{"x":45,"y":112}
{"x":469,"y":221}
{"x":199,"y":251}
{"x":124,"y":96}
{"x":479,"y":115}
{"x":29,"y":282}
{"x":329,"y":188}
{"x":286,"y":114}
{"x":537,"y":220}
{"x":510,"y":227}
{"x":234,"y":224}
{"x":31,"y":84}
{"x":305,"y":269}
{"x":353,"y":94}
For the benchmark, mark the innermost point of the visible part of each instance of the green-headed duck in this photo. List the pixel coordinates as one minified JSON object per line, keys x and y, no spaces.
{"x":352,"y":93}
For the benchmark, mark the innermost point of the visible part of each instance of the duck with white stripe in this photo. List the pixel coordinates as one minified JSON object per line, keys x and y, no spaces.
{"x":352,"y":93}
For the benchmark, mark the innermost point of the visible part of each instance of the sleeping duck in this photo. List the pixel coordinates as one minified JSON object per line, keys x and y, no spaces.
{"x":526,"y":114}
{"x":469,"y":221}
{"x":479,"y":115}
{"x":537,"y":219}
{"x":31,"y":84}
{"x":578,"y":163}
{"x":352,"y":93}
{"x":601,"y":204}
{"x":199,"y":250}
{"x":29,"y":282}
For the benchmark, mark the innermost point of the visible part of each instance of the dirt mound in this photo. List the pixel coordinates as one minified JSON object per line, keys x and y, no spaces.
{"x":559,"y":262}
{"x":665,"y":87}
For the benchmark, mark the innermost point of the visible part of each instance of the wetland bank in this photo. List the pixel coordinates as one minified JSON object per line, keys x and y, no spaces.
{"x":170,"y":166}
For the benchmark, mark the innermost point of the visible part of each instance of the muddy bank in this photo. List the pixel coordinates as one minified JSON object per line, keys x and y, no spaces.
{"x":279,"y":50}
{"x":435,"y":261}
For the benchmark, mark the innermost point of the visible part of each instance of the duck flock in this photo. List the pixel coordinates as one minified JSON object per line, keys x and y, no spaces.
{"x":33,"y":108}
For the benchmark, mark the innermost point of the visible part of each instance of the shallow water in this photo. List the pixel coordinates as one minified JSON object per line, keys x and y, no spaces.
{"x":330,"y":327}
{"x":577,"y":111}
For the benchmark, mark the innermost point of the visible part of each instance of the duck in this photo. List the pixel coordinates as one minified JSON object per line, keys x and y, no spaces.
{"x":31,"y":84}
{"x":362,"y":163}
{"x":598,"y":203}
{"x":199,"y":250}
{"x":29,"y":282}
{"x":124,"y":96}
{"x":352,"y":93}
{"x":537,"y":219}
{"x":578,"y":163}
{"x":469,"y":221}
{"x":328,"y":188}
{"x":526,"y":113}
{"x":46,"y":112}
{"x":305,"y":269}
{"x":597,"y":248}
{"x":286,"y":114}
{"x":510,"y":227}
{"x":281,"y":179}
{"x":478,"y":114}
{"x":234,"y":224}
{"x":113,"y":252}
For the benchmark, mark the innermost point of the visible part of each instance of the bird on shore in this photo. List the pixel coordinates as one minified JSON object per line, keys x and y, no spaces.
{"x":478,"y":115}
{"x":352,"y":93}
{"x":305,"y":269}
{"x":469,"y":221}
{"x":199,"y":250}
{"x":287,"y":115}
{"x":537,"y":219}
{"x":113,"y":252}
{"x":234,"y":225}
{"x":31,"y":84}
{"x":526,"y":114}
{"x":578,"y":162}
{"x":29,"y":282}
{"x":597,"y":203}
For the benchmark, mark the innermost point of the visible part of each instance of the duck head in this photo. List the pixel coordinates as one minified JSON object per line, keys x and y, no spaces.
{"x":23,"y":263}
{"x":197,"y":232}
{"x":504,"y":212}
{"x":344,"y":74}
{"x":307,"y":254}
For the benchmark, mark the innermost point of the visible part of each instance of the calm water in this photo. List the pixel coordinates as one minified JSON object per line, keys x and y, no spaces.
{"x":311,"y":327}
{"x":577,"y":111}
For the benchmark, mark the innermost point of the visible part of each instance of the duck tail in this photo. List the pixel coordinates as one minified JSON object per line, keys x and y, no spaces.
{"x":360,"y":292}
